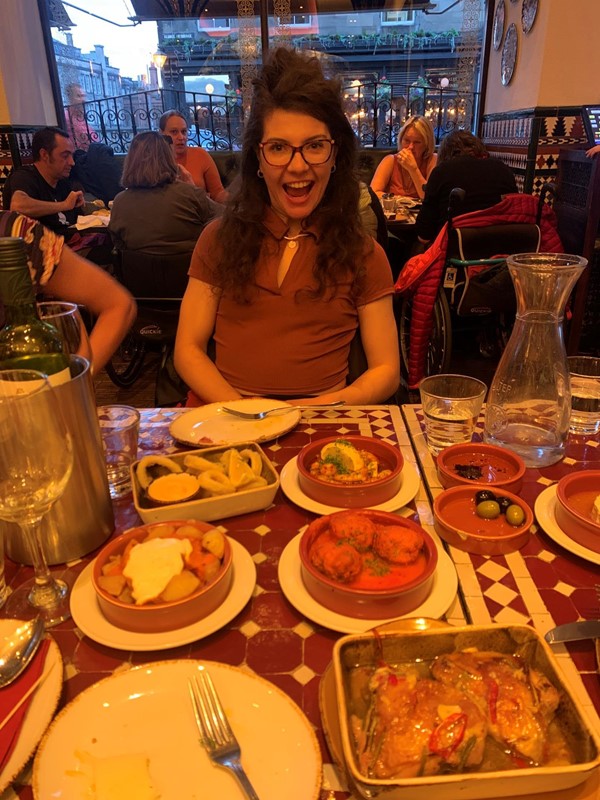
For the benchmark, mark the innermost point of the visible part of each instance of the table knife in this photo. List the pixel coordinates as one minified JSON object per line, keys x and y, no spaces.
{"x":574,"y":631}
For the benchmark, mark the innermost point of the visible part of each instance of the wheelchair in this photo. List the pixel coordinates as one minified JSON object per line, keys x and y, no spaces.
{"x":476,"y":293}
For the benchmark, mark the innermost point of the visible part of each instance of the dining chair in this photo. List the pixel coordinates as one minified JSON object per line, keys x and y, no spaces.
{"x":157,"y":283}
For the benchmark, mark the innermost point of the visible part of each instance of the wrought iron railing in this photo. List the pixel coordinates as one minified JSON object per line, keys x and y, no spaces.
{"x":376,"y":111}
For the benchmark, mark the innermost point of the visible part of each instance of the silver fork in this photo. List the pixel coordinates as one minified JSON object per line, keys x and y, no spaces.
{"x":215,"y":732}
{"x":268,"y":412}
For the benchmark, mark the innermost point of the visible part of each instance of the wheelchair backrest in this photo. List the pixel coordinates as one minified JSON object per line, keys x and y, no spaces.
{"x":489,"y":241}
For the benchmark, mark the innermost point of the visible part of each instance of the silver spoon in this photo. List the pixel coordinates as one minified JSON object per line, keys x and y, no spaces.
{"x":18,"y":648}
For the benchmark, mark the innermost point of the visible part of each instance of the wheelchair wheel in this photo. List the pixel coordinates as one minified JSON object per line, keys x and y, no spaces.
{"x":440,"y":343}
{"x":125,"y":367}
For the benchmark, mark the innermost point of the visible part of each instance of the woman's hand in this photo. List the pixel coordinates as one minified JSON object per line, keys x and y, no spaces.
{"x":408,"y":160}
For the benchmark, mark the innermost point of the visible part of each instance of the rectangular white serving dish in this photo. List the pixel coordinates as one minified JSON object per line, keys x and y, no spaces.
{"x":397,"y":647}
{"x":208,"y":509}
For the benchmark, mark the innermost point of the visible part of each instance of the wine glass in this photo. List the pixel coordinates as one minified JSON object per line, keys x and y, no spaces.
{"x":36,"y":460}
{"x":65,"y":317}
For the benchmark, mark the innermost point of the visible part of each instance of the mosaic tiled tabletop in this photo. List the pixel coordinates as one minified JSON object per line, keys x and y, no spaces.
{"x":271,"y":638}
{"x":543,"y":584}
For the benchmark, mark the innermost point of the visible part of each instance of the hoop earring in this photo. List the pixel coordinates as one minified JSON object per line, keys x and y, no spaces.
{"x":260,"y":173}
{"x":333,"y":169}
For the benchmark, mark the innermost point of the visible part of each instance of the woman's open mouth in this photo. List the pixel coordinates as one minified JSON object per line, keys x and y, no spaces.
{"x":298,"y":189}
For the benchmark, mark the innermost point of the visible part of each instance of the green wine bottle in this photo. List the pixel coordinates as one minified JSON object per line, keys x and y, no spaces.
{"x":26,"y":342}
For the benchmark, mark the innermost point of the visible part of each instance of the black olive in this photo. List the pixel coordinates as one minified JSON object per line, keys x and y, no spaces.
{"x":483,"y":495}
{"x":504,"y":503}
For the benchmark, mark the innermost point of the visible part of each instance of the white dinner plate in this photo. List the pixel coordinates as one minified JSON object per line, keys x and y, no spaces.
{"x":443,"y":592}
{"x":289,"y":483}
{"x":147,"y":711}
{"x":544,"y":511}
{"x":90,"y":620}
{"x":40,"y":712}
{"x":210,"y":425}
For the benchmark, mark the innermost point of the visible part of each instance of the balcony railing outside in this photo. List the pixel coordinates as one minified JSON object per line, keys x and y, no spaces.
{"x":376,"y":112}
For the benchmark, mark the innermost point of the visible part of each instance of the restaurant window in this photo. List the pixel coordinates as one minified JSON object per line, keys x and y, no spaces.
{"x":216,"y":23}
{"x":393,"y":62}
{"x":398,"y":18}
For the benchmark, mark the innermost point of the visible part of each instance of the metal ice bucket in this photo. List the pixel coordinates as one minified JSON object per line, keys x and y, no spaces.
{"x":82,"y":519}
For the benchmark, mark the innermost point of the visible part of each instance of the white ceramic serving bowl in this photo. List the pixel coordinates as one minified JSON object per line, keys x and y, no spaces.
{"x":209,"y":508}
{"x":372,"y":648}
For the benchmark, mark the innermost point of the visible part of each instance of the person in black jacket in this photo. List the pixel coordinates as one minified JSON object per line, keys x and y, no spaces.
{"x":98,"y":171}
{"x":463,"y":162}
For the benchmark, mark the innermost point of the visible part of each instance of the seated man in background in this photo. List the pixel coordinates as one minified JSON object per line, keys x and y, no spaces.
{"x":58,"y":272}
{"x":463,"y":162}
{"x":41,"y":190}
{"x":196,"y":160}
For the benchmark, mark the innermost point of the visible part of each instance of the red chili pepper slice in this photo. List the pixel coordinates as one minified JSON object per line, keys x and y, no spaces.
{"x":519,"y":762}
{"x":493,"y":701}
{"x":448,"y":735}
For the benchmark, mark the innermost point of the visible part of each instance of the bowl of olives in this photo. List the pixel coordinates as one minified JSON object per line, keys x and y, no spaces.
{"x":476,"y":519}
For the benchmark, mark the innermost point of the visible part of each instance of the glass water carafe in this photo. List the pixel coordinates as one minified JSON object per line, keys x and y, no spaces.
{"x":529,"y":401}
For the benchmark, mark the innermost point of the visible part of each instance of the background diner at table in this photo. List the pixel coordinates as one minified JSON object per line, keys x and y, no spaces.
{"x":462,"y":162}
{"x":196,"y":161}
{"x":287,"y":275}
{"x":406,"y":172}
{"x":42,"y":190}
{"x":157,"y":212}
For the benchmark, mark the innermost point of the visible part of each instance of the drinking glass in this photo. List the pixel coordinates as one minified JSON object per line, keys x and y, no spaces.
{"x":36,"y":460}
{"x":65,"y":317}
{"x":584,"y":373}
{"x":451,"y":405}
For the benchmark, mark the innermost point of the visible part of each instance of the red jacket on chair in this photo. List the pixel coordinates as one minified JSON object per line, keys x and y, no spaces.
{"x":421,"y":274}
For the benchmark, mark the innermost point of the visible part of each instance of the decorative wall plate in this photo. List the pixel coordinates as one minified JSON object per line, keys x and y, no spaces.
{"x":498,"y":29}
{"x":528,"y":11}
{"x":509,"y":54}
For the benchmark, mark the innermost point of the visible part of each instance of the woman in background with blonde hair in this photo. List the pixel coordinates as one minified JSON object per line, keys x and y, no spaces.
{"x":406,"y":172}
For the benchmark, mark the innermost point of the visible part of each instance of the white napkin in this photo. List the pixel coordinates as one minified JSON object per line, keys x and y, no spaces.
{"x":91,"y":221}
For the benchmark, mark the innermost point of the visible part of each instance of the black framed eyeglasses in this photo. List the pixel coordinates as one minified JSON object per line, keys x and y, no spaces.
{"x":280,"y":154}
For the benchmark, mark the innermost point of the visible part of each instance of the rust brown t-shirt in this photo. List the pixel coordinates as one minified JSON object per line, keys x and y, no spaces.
{"x":285,"y":342}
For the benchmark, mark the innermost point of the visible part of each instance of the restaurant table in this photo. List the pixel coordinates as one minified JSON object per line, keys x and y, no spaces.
{"x":269,"y":636}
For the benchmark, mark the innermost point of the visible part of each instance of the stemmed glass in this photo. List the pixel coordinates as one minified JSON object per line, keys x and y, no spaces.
{"x":36,"y":460}
{"x":65,"y":317}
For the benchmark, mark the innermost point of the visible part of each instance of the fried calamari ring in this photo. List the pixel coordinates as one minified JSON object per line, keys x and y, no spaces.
{"x":216,"y":482}
{"x":254,"y":459}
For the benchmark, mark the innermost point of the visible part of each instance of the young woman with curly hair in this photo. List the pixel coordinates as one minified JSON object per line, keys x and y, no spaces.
{"x":287,"y":275}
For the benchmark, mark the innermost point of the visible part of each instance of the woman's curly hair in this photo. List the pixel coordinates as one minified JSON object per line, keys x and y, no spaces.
{"x":294,"y":82}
